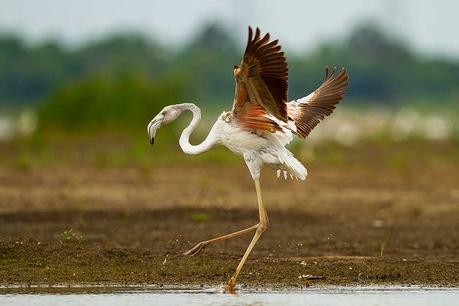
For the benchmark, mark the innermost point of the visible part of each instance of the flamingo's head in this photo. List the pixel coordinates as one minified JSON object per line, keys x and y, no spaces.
{"x":167,"y":115}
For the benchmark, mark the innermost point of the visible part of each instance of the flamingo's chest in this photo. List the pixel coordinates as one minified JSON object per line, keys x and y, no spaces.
{"x":237,"y":139}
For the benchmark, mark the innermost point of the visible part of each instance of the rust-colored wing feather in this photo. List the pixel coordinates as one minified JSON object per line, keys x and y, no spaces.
{"x":309,"y":111}
{"x":255,"y":117}
{"x":262,"y":79}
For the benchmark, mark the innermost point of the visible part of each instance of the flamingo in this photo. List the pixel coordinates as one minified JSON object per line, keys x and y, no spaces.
{"x":261,"y":123}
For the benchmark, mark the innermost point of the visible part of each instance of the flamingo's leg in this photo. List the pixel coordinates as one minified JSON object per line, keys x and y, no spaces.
{"x":201,"y":245}
{"x":260,"y":228}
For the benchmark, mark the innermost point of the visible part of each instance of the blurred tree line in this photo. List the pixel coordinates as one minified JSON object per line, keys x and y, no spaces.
{"x":125,"y":79}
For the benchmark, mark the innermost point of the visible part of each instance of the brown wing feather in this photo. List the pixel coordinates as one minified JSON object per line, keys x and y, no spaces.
{"x":255,"y":117}
{"x":262,"y":78}
{"x":309,"y":111}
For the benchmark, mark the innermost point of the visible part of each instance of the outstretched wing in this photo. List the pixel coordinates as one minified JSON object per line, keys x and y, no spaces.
{"x":307,"y":112}
{"x":261,"y":84}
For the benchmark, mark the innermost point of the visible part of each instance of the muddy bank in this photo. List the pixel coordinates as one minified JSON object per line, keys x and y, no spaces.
{"x":383,"y":214}
{"x":145,"y":246}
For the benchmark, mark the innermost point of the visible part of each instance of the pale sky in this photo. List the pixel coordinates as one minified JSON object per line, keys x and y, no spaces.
{"x":429,"y":26}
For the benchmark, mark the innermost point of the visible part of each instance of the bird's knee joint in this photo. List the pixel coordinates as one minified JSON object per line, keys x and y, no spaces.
{"x":263,"y":226}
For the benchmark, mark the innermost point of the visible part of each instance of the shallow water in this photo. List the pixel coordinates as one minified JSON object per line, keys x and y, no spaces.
{"x":381,"y":296}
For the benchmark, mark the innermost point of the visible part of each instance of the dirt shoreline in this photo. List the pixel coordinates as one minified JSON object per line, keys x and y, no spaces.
{"x":368,"y":215}
{"x":144,"y":247}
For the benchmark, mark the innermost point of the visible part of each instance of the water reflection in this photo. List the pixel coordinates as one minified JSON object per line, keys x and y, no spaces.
{"x":384,"y":296}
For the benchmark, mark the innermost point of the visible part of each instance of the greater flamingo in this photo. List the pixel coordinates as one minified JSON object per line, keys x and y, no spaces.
{"x":261,"y":123}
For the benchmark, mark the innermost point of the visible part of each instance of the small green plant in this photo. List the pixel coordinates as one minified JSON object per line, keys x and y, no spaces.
{"x":199,"y":217}
{"x":23,"y":163}
{"x":384,"y":244}
{"x":68,"y":236}
{"x":399,"y":162}
{"x":80,"y":239}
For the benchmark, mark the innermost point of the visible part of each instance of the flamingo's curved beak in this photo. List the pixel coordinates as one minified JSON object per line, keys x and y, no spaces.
{"x":154,"y":125}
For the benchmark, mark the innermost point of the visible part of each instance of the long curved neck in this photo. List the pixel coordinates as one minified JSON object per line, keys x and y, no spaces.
{"x":184,"y":141}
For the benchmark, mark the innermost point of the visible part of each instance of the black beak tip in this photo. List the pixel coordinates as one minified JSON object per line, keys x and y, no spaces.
{"x":152,"y":140}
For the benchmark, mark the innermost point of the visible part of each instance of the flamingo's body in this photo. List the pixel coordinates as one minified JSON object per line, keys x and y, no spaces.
{"x":261,"y":122}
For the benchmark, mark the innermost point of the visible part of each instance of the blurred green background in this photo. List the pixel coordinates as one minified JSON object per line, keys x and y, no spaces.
{"x":97,"y":96}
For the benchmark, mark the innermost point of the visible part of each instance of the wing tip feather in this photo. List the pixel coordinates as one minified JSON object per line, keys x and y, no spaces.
{"x":328,"y":95}
{"x":271,"y":67}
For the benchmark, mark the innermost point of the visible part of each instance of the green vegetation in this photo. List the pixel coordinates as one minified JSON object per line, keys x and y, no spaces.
{"x":119,"y":101}
{"x":383,"y":245}
{"x":200,"y":216}
{"x":94,"y":102}
{"x":122,"y":80}
{"x":68,"y":236}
